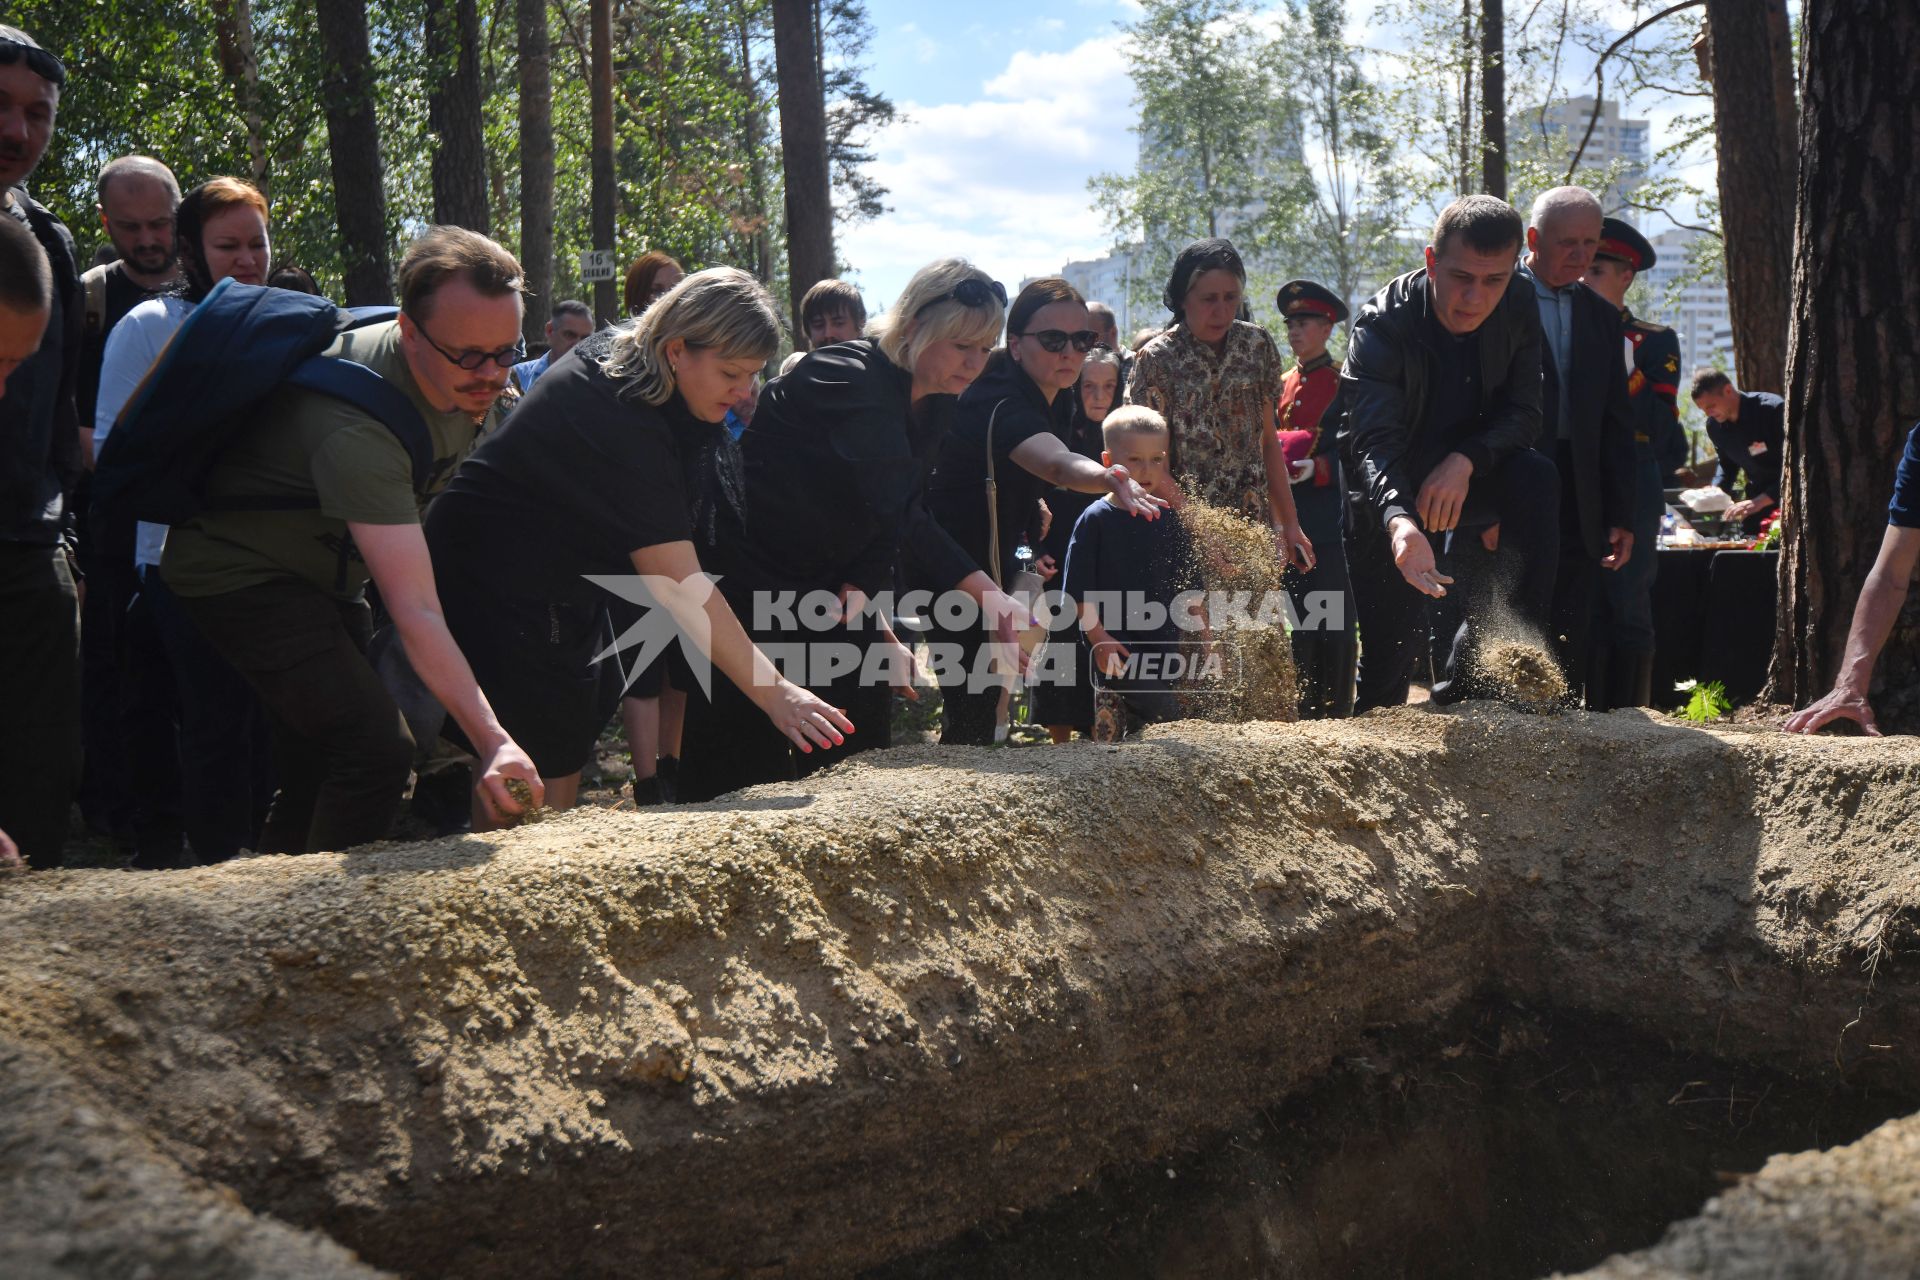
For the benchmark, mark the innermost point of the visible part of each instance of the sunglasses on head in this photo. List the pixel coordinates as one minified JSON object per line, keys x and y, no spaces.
{"x":38,"y":60}
{"x":970,"y":293}
{"x":1056,"y":340}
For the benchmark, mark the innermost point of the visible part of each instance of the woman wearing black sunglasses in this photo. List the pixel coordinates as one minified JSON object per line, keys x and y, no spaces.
{"x":999,"y":459}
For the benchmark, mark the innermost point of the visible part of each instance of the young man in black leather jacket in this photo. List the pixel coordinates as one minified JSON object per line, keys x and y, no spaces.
{"x":1442,"y":392}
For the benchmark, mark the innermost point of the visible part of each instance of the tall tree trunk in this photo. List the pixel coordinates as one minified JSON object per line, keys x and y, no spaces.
{"x":1468,"y":133}
{"x":750,"y":139}
{"x":803,"y":149}
{"x":454,"y":106}
{"x":1853,"y":387}
{"x":536,"y":164}
{"x":233,"y":32}
{"x":605,"y":292}
{"x":1493,"y":97}
{"x":1747,"y":57}
{"x":353,"y":149}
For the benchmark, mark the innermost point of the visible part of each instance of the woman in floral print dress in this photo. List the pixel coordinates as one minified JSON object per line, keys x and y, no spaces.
{"x":1216,"y":380}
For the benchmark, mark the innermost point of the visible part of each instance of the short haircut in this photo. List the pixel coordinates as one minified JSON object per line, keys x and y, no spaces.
{"x":833,"y":297}
{"x":1103,"y":318}
{"x":571,"y":308}
{"x":721,"y":309}
{"x":1486,"y":223}
{"x":1131,"y":420}
{"x":1146,"y":335}
{"x":926,"y":312}
{"x":1705,"y":380}
{"x":1551,"y":204}
{"x":445,"y":254}
{"x":1036,"y":294}
{"x":136,"y":167}
{"x":639,"y":285}
{"x":26,"y":278}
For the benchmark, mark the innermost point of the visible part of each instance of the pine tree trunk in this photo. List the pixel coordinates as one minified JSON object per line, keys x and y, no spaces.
{"x":233,"y":32}
{"x":803,"y":149}
{"x":1852,"y":378}
{"x":1750,"y":66}
{"x":1493,"y":96}
{"x":604,"y":197}
{"x":454,"y":104}
{"x":353,"y":147}
{"x":536,"y":165}
{"x":756,"y":158}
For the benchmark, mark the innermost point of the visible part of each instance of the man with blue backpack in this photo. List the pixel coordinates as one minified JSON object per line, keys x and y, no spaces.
{"x":291,"y":447}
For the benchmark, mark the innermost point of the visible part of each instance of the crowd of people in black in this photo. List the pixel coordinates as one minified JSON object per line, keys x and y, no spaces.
{"x":258,"y":553}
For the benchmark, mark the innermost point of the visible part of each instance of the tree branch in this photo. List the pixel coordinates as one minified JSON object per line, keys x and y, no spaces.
{"x":1600,"y":78}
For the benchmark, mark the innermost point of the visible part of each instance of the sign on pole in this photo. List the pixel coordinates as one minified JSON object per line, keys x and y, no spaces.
{"x":596,"y":265}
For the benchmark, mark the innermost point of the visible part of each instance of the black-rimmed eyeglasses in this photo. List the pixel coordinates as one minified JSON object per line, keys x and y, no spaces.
{"x":473,"y":361}
{"x":970,"y":292}
{"x":38,"y":60}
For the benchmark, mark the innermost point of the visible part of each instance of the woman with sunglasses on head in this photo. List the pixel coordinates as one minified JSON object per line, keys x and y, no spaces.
{"x":1216,"y":380}
{"x":223,"y":774}
{"x":990,"y":475}
{"x":609,"y":467}
{"x":833,"y":472}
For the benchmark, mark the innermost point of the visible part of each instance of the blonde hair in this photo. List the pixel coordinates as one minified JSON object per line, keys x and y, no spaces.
{"x":722,"y":309}
{"x":904,"y":332}
{"x":1131,"y":420}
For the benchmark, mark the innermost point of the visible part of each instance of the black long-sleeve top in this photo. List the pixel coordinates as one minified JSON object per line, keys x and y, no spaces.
{"x":834,"y":471}
{"x":1005,"y":401}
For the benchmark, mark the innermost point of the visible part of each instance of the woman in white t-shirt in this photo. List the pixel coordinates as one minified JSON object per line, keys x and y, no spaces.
{"x":226,"y":778}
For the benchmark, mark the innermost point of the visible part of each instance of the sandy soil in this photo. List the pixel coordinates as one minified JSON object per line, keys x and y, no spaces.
{"x":833,"y":1022}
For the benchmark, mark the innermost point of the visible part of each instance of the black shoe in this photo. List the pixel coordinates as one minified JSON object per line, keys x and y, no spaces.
{"x":648,"y":792}
{"x":667,"y":771}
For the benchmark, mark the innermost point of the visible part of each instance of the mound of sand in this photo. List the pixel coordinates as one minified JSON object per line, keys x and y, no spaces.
{"x":1521,"y":672}
{"x":823,"y":1024}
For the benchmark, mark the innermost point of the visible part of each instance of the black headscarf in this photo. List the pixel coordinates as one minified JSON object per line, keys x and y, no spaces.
{"x":1197,"y":258}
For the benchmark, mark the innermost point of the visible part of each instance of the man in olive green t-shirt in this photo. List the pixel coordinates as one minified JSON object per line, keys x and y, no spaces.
{"x":282,"y":593}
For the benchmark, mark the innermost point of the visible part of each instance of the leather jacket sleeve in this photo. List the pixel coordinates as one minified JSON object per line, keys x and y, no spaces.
{"x":1375,"y":434}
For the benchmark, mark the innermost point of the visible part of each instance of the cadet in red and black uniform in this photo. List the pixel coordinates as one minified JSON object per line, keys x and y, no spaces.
{"x":1308,"y":417}
{"x":1620,"y":663}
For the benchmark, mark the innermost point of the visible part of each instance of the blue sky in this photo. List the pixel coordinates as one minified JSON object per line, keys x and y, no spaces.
{"x":1009,"y":107}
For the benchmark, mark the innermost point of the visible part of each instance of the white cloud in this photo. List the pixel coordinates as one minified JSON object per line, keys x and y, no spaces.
{"x":1001,"y":179}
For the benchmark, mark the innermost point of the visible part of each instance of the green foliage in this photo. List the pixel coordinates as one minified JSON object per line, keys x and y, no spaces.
{"x":1355,"y":187}
{"x":696,"y":136}
{"x":1707,"y":701}
{"x":1218,"y":135}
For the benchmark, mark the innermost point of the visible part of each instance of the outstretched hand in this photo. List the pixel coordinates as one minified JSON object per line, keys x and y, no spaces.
{"x":1840,"y":704}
